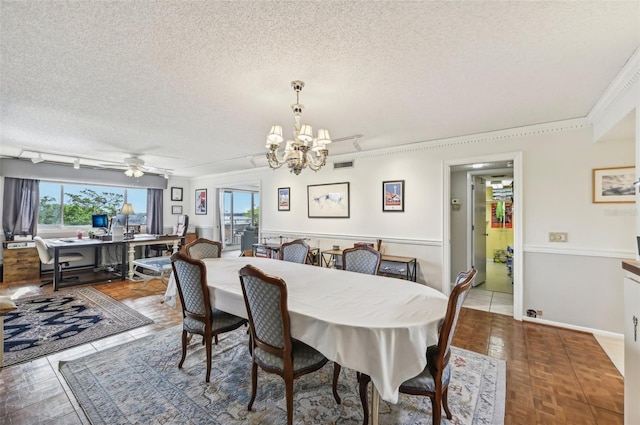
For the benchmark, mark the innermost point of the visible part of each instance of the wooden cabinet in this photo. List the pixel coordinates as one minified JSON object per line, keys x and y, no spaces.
{"x":631,"y":348}
{"x":188,"y":238}
{"x":20,"y":264}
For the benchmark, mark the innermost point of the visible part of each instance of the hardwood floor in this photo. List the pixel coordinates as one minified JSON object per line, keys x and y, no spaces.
{"x":554,"y":376}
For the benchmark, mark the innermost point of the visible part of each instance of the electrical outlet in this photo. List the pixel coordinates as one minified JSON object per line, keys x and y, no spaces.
{"x":558,"y":237}
{"x":538,"y":313}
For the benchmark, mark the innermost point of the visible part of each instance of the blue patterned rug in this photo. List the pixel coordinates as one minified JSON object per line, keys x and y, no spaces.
{"x":45,"y":324}
{"x":140,"y":383}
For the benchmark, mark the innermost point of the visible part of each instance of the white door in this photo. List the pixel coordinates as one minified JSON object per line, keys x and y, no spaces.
{"x":479,"y":229}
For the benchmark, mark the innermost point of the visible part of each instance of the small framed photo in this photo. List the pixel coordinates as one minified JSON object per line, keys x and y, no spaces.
{"x":176,"y":209}
{"x":176,"y":194}
{"x":393,"y":196}
{"x":614,"y":185}
{"x":283,"y":199}
{"x":201,"y":201}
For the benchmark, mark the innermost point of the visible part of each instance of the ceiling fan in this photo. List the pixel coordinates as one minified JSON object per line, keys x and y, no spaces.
{"x":134,"y":166}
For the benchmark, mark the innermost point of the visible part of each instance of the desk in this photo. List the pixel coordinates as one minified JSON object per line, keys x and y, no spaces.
{"x":71,"y":243}
{"x":388,"y":265}
{"x":354,"y":319}
{"x":139,"y":240}
{"x":146,"y":239}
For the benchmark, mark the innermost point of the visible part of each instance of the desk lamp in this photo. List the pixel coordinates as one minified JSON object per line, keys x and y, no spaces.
{"x":127,"y":210}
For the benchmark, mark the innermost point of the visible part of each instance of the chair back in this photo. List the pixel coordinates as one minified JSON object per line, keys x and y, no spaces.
{"x":43,"y":251}
{"x":463,"y":283}
{"x":265,"y":298}
{"x":191,"y":278}
{"x":203,"y":248}
{"x":294,"y":251}
{"x":361,"y":259}
{"x":181,"y":227}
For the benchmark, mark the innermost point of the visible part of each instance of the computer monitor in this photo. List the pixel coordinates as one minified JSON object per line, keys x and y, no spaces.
{"x":100,"y":221}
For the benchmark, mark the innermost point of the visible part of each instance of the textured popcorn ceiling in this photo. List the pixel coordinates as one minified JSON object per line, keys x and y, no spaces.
{"x":195,"y":86}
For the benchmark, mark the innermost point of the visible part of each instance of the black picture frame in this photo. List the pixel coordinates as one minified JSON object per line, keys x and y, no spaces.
{"x":393,"y":196}
{"x":176,"y":209}
{"x":176,"y":194}
{"x":284,"y":199}
{"x":328,"y":200}
{"x":201,"y":202}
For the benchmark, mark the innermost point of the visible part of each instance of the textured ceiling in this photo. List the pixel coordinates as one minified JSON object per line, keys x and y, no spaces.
{"x":195,"y":86}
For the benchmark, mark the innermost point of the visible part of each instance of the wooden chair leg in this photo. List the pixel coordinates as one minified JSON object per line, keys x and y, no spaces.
{"x":254,"y":383}
{"x":184,"y":348}
{"x":288,"y":385}
{"x":363,"y":382}
{"x":445,"y":402}
{"x":209,"y":348}
{"x":436,"y":407}
{"x":336,"y":375}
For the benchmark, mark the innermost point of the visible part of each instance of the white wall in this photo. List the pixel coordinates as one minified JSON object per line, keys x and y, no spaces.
{"x":557,"y":164}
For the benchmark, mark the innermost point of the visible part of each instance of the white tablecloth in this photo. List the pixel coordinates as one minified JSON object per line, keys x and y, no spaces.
{"x":376,"y":325}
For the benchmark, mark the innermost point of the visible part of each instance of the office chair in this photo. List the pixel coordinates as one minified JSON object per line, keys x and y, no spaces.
{"x":63,"y":260}
{"x":433,"y":381}
{"x":272,"y":347}
{"x":179,"y":229}
{"x":198,"y":317}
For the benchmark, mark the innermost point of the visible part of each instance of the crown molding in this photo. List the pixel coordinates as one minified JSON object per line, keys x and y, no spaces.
{"x":491,"y":136}
{"x":621,"y":84}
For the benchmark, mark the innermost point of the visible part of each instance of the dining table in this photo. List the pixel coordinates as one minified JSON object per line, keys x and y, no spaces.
{"x":376,"y":325}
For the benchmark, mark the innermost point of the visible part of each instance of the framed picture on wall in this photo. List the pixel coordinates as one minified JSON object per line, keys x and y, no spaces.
{"x":283,"y":199}
{"x":614,"y":185}
{"x":201,"y":201}
{"x":328,"y":200}
{"x":393,"y":196}
{"x":176,"y":209}
{"x":176,"y":194}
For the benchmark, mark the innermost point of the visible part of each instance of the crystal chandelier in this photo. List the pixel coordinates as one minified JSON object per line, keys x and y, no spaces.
{"x":304,"y":150}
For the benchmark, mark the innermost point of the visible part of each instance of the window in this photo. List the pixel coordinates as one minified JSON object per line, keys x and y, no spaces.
{"x":73,"y":205}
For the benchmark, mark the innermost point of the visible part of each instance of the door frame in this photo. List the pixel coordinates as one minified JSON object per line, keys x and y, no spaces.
{"x":518,"y":256}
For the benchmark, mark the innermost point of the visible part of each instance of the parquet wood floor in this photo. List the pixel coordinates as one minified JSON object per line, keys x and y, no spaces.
{"x":554,"y":376}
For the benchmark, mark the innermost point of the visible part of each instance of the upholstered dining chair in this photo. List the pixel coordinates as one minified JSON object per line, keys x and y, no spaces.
{"x":433,"y":381}
{"x":361,"y":259}
{"x":198,"y":317}
{"x":203,"y":248}
{"x":63,"y":260}
{"x":272,"y":347}
{"x":294,"y":251}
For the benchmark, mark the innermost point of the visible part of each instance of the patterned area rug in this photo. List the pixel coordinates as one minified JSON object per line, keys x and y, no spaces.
{"x":139,"y":382}
{"x":45,"y":324}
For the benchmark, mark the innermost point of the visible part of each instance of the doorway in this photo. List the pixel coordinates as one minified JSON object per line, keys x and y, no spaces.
{"x":241,"y":210}
{"x":491,"y":222}
{"x":476,"y":218}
